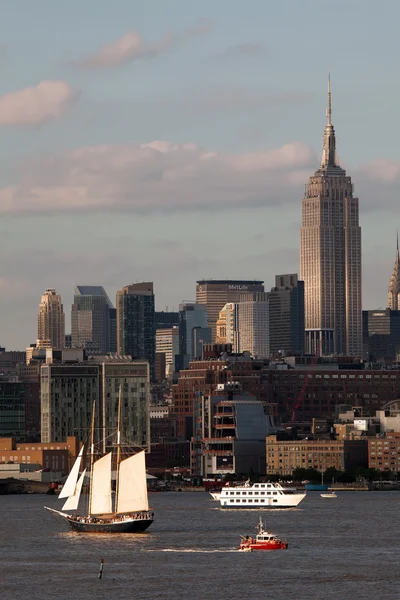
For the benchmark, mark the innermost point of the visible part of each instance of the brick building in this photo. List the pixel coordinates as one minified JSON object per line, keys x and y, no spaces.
{"x":384,"y":453}
{"x":57,"y":456}
{"x":321,"y":387}
{"x":325,"y":388}
{"x":283,"y":457}
{"x":203,"y":376}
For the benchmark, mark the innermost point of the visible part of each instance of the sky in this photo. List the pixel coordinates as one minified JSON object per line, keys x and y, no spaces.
{"x":170,"y":141}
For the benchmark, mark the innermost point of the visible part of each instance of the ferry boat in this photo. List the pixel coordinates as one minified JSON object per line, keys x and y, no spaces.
{"x":260,"y":495}
{"x":128,"y":513}
{"x":264,"y":540}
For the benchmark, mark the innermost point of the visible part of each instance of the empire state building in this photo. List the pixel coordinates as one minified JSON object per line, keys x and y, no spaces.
{"x":330,"y":256}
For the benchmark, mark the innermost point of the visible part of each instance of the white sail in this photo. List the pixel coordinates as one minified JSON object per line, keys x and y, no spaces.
{"x":101,"y":486}
{"x":73,"y":501}
{"x":132,"y":486}
{"x":70,"y":485}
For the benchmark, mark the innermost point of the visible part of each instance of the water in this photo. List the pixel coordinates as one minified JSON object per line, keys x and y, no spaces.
{"x":345,"y":548}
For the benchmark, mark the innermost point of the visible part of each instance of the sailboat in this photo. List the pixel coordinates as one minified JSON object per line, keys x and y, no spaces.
{"x":128,"y":513}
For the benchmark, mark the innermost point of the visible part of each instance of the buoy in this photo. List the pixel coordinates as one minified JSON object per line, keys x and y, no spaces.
{"x":101,"y":568}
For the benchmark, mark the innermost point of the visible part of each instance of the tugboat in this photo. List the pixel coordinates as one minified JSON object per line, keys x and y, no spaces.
{"x":264,"y":540}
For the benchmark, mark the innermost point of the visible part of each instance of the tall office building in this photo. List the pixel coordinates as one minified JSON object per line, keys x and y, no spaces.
{"x":330,"y":256}
{"x":216,"y":293}
{"x":167,"y":343}
{"x":228,"y":326}
{"x":381,"y":335}
{"x":69,"y":388}
{"x":112,"y":316}
{"x":135,"y":322}
{"x":90,"y":319}
{"x":193,"y":331}
{"x":253,"y":324}
{"x":286,"y":316}
{"x":166,"y":319}
{"x":394,"y":283}
{"x":51,"y":319}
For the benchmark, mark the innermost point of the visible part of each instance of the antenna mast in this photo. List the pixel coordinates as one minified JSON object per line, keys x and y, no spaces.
{"x":91,"y":459}
{"x":118,"y":447}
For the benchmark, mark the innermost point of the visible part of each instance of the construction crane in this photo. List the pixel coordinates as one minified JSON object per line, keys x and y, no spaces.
{"x":303,"y":390}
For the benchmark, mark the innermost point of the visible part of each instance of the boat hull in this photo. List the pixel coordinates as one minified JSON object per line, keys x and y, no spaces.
{"x":261,"y":507}
{"x":134,"y":526}
{"x":258,"y":547}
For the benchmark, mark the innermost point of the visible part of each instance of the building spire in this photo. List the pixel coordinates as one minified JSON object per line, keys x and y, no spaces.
{"x":329,"y":150}
{"x":329,"y":107}
{"x":394,"y":283}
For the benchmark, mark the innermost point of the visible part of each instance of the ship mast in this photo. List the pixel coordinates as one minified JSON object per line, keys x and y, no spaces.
{"x":91,"y":459}
{"x":118,"y":447}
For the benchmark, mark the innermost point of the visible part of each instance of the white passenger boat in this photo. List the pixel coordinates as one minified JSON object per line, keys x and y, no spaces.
{"x":260,"y":495}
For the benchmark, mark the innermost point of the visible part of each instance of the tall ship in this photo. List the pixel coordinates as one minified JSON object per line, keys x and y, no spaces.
{"x":259,"y":495}
{"x":126,"y":510}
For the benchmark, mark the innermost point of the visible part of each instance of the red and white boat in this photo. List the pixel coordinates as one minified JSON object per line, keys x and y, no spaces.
{"x":264,"y":540}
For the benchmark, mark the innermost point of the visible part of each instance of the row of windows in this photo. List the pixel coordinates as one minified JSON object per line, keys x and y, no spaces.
{"x":242,"y":500}
{"x":258,"y":493}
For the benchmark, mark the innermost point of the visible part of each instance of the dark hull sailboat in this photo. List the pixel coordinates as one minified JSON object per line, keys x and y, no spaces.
{"x":129,"y":511}
{"x":131,"y":526}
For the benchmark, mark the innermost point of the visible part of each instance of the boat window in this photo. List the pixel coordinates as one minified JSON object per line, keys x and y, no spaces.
{"x":274,"y":500}
{"x":255,"y":499}
{"x":244,"y":500}
{"x":238,"y":500}
{"x":232,"y":493}
{"x":250,"y":500}
{"x":244,"y":493}
{"x":250,"y":493}
{"x":274,"y":493}
{"x":262,"y":485}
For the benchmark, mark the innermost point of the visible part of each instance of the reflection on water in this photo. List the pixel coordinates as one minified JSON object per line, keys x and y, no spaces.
{"x":346,"y":549}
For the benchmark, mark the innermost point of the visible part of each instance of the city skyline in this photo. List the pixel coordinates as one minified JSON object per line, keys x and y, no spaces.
{"x":215,"y":100}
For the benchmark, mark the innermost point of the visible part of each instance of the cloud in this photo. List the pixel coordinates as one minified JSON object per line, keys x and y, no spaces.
{"x":35,"y":105}
{"x":159,"y":176}
{"x":132,"y":47}
{"x":247,"y":49}
{"x":234,"y":98}
{"x":383,"y":170}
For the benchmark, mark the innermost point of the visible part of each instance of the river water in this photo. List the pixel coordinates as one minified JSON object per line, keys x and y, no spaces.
{"x":345,"y":548}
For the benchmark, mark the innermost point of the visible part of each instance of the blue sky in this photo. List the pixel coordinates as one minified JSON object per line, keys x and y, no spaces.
{"x":171,"y":141}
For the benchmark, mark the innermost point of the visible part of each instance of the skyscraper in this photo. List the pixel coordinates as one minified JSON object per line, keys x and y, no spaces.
{"x":228,"y":326}
{"x":216,"y":293}
{"x":193,"y":331}
{"x":252,"y":308}
{"x":394,"y":283}
{"x":135,"y":322}
{"x":286,"y":315}
{"x":51,"y":319}
{"x":330,"y":256}
{"x":167,"y":342}
{"x":90,"y":319}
